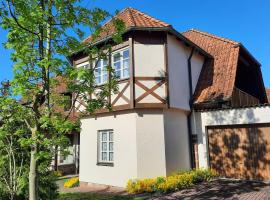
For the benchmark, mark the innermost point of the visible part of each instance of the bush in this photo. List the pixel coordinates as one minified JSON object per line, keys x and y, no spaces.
{"x":177,"y":181}
{"x":72,"y":182}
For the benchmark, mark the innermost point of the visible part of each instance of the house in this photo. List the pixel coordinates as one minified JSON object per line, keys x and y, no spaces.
{"x":169,"y":83}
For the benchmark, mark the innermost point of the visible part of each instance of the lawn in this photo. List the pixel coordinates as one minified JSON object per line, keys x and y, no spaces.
{"x":91,"y":196}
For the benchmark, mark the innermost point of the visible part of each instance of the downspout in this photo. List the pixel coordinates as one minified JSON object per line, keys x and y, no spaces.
{"x":192,"y":159}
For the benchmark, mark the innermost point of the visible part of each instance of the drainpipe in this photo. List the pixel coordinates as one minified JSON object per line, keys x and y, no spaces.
{"x":192,"y":159}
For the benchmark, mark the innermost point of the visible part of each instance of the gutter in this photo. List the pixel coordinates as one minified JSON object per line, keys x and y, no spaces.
{"x":191,"y":150}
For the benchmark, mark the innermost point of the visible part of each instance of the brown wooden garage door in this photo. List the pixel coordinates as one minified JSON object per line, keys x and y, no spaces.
{"x":240,"y":151}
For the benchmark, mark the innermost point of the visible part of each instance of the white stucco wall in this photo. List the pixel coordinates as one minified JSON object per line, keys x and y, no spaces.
{"x":226,"y":117}
{"x":149,"y":60}
{"x":125,"y":152}
{"x":139,"y":151}
{"x":176,"y":140}
{"x":147,"y":143}
{"x":178,"y":55}
{"x":197,"y":62}
{"x":150,"y":144}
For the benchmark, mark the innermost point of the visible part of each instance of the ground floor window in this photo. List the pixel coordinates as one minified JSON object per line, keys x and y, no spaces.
{"x":105,"y":147}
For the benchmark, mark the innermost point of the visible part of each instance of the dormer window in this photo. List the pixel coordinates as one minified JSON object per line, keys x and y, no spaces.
{"x":120,"y":60}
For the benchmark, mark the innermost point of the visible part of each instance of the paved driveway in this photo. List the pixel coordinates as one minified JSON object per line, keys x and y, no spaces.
{"x":223,"y":189}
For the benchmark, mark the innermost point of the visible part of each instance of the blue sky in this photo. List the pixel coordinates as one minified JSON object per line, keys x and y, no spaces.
{"x":246,"y":21}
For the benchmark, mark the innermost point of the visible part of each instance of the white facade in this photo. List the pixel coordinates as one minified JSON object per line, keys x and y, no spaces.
{"x":178,"y":55}
{"x":147,"y":143}
{"x":251,"y":115}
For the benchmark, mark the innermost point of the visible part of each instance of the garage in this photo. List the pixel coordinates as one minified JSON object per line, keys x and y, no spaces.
{"x":240,"y":151}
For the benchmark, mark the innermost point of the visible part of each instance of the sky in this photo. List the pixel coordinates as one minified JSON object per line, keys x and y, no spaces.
{"x":245,"y":21}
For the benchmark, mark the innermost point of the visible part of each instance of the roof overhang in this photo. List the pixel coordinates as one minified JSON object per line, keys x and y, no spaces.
{"x":242,"y":47}
{"x":168,"y":29}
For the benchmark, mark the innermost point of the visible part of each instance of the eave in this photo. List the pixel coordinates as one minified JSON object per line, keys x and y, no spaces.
{"x":168,"y":29}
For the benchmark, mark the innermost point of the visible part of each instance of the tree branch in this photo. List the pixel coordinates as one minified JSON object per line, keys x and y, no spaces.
{"x":17,"y":22}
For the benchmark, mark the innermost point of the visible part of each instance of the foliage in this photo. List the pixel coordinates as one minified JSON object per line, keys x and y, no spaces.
{"x":72,"y":182}
{"x":57,"y":173}
{"x":13,"y":154}
{"x":42,"y":35}
{"x":177,"y":181}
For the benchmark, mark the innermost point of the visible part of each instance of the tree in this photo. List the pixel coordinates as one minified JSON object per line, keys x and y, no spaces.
{"x":42,"y":34}
{"x":13,"y":156}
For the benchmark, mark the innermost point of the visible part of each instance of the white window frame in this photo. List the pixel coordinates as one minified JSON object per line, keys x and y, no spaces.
{"x":103,"y":71}
{"x":85,"y":65}
{"x":122,"y":59}
{"x":109,"y":141}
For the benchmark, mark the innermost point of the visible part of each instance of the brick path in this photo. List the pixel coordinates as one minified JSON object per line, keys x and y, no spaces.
{"x":223,"y":189}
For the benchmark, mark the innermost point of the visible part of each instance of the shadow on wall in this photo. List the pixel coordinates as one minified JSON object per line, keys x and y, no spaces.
{"x":240,"y":151}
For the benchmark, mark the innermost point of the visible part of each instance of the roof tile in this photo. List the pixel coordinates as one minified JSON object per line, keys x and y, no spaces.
{"x":132,"y":18}
{"x":217,"y":79}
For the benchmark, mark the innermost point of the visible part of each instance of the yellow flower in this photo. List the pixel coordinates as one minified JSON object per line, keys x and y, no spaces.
{"x":72,"y":182}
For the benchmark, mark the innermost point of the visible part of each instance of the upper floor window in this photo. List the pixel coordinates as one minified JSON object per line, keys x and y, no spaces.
{"x":120,"y":60}
{"x":120,"y":63}
{"x":85,"y":65}
{"x":101,"y":72}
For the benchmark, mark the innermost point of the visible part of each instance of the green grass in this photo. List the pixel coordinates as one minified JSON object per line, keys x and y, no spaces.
{"x":91,"y":196}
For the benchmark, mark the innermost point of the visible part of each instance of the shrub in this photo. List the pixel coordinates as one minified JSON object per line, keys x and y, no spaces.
{"x":58,"y":173}
{"x":72,"y":182}
{"x":176,"y":181}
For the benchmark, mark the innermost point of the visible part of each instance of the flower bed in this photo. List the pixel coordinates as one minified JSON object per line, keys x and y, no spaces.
{"x":72,"y":182}
{"x":177,"y":181}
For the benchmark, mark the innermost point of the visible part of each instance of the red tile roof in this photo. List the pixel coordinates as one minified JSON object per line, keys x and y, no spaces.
{"x":132,"y":18}
{"x":217,"y":79}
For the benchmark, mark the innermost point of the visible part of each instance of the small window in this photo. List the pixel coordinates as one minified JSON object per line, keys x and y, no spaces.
{"x":105,"y":147}
{"x":101,"y":73}
{"x":82,"y":66}
{"x":121,"y":63}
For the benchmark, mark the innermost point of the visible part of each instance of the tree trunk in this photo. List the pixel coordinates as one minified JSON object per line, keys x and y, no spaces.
{"x":33,"y":171}
{"x":56,"y":159}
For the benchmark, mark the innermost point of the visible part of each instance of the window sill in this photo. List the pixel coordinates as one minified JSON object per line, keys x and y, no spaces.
{"x":105,"y":164}
{"x":118,"y":81}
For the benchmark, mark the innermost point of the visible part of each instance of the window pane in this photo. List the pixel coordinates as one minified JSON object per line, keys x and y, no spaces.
{"x":104,"y":136}
{"x":104,"y":146}
{"x":111,"y":146}
{"x":111,"y":156}
{"x":98,"y":80}
{"x":104,"y":156}
{"x":116,"y":57}
{"x":98,"y":71}
{"x":105,"y":63}
{"x":117,"y":66}
{"x":118,"y":74}
{"x":126,"y":54}
{"x":105,"y":78}
{"x":98,"y":64}
{"x":111,"y":136}
{"x":126,"y":73}
{"x":126,"y":64}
